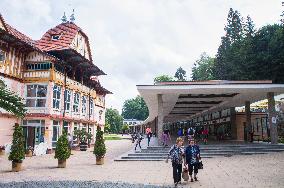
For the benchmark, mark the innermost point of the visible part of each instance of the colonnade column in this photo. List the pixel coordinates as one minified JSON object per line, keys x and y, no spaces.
{"x":272,"y":118}
{"x":248,"y":121}
{"x":160,"y":118}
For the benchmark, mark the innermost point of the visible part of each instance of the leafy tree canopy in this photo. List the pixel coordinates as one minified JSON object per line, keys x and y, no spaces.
{"x":114,"y":120}
{"x":180,"y":74}
{"x":11,"y":102}
{"x":245,"y":53}
{"x":163,"y":78}
{"x":135,"y":108}
{"x":203,"y":67}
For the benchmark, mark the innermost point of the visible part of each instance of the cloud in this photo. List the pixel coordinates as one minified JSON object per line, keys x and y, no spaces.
{"x":134,"y":41}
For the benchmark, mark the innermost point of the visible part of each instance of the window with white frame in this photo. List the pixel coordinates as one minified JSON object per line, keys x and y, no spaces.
{"x":91,"y":106}
{"x":67,"y":99}
{"x":76,"y":102}
{"x":36,"y":95}
{"x":84,"y":105}
{"x":56,"y":96}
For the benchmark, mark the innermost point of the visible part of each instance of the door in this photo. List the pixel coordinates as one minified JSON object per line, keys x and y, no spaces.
{"x":31,"y":137}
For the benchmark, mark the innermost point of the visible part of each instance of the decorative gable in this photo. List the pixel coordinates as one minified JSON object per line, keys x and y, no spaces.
{"x":81,"y":44}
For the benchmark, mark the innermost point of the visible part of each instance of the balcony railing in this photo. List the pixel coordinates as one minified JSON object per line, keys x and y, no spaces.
{"x":36,"y":74}
{"x":58,"y":77}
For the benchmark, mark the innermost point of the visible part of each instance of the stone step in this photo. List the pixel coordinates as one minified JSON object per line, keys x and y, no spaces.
{"x":158,"y":153}
{"x":130,"y":159}
{"x":220,"y":147}
{"x":165,"y":154}
{"x":152,"y":157}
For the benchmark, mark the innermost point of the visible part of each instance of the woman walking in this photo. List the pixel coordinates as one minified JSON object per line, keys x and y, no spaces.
{"x":192,"y":157}
{"x":176,"y":154}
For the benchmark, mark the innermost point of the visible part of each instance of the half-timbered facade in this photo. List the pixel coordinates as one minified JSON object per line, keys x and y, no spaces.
{"x":57,"y":79}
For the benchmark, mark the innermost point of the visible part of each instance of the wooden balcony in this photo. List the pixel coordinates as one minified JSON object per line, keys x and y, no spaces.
{"x":58,"y":78}
{"x":37,"y":76}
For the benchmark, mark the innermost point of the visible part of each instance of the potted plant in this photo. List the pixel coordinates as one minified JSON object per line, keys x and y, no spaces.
{"x":29,"y":151}
{"x":2,"y":150}
{"x":17,"y":154}
{"x":83,"y":136}
{"x":99,"y":148}
{"x":62,"y":151}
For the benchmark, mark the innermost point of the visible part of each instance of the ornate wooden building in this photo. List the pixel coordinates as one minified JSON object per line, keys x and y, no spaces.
{"x":57,"y":79}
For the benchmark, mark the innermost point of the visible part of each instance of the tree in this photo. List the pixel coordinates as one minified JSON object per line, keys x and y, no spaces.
{"x":17,"y":153}
{"x":99,"y":147}
{"x":228,"y":64}
{"x":135,"y":108}
{"x":203,"y":68}
{"x":125,"y":128}
{"x":234,"y":28}
{"x":249,"y":28}
{"x":114,"y":120}
{"x":62,"y":151}
{"x":180,"y":74}
{"x":163,"y":78}
{"x":11,"y":102}
{"x":107,"y":128}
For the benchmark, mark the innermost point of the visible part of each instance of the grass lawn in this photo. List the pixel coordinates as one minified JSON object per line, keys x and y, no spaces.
{"x":112,"y":137}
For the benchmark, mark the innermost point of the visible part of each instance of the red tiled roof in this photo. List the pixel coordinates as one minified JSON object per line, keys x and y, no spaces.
{"x":17,"y":33}
{"x":67,"y":31}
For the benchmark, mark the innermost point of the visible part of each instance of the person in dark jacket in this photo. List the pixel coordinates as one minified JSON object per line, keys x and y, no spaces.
{"x":176,"y":154}
{"x":192,"y":157}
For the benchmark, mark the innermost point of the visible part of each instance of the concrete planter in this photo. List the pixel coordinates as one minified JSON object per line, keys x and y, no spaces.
{"x":61,"y":163}
{"x":16,"y":166}
{"x":100,"y":160}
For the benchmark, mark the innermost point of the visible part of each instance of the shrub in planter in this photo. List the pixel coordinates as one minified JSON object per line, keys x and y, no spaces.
{"x":17,"y":154}
{"x":99,"y":148}
{"x":2,"y":150}
{"x":62,"y":151}
{"x":83,"y":136}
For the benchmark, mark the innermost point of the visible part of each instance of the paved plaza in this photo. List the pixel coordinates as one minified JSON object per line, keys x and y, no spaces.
{"x":236,"y":171}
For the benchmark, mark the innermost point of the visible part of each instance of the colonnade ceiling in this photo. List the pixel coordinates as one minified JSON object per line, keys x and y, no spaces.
{"x":184,"y":102}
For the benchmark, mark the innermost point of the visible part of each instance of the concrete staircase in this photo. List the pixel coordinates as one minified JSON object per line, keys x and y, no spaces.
{"x":159,"y":153}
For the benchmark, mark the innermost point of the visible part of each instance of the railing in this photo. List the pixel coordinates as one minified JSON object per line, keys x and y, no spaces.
{"x":36,"y":74}
{"x":59,"y":76}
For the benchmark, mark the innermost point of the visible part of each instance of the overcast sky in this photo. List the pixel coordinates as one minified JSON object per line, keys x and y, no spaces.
{"x":134,"y":41}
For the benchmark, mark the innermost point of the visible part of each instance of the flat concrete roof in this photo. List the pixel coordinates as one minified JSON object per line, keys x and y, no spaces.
{"x":186,"y":100}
